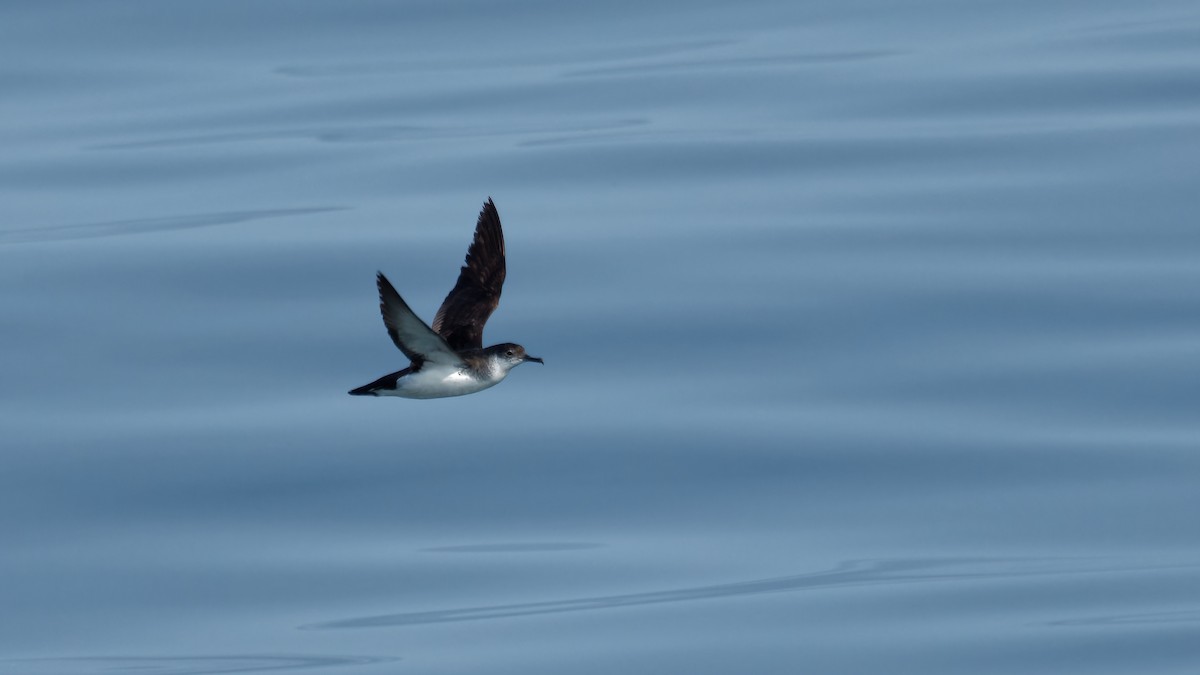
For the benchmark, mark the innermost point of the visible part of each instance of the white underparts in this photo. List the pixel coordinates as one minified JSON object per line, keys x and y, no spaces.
{"x":438,"y":381}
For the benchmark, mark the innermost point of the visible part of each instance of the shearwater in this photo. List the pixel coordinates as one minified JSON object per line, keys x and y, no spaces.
{"x":450,"y":359}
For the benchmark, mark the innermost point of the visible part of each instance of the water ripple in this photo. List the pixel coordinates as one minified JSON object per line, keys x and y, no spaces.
{"x":112,"y":228}
{"x":384,"y":133}
{"x":711,"y":65}
{"x":579,"y":55}
{"x":183,"y":665}
{"x":849,"y":573}
{"x":1146,"y":618}
{"x":524,"y":547}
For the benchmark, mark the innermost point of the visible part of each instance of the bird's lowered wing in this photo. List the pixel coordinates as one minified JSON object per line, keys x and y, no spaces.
{"x":418,"y":342}
{"x":461,"y":317}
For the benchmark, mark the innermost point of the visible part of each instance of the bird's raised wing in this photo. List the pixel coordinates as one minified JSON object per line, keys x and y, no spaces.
{"x":418,"y":342}
{"x":464,"y":311}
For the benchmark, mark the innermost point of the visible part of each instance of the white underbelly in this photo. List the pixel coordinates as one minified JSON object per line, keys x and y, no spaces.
{"x":439,"y":383}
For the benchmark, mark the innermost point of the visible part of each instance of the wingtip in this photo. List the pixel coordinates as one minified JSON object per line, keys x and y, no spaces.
{"x":487,"y":228}
{"x":385,"y":287}
{"x":489,"y":209}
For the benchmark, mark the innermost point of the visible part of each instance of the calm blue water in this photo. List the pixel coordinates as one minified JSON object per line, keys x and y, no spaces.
{"x":872,"y":337}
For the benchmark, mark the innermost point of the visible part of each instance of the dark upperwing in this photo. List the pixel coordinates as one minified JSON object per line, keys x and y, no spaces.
{"x":466,"y":309}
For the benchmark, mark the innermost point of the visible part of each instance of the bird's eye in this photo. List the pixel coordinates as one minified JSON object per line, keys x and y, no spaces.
{"x":508,"y":353}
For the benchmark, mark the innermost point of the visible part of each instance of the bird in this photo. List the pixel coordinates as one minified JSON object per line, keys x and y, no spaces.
{"x":449,"y":359}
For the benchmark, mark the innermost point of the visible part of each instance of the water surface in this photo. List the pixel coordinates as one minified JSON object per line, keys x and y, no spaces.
{"x":872,"y":338}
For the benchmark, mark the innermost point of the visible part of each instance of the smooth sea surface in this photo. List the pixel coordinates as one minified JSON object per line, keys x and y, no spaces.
{"x":871,"y":329}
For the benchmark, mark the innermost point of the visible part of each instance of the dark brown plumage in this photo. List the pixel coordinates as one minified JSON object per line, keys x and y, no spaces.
{"x":466,"y":309}
{"x":386,"y":382}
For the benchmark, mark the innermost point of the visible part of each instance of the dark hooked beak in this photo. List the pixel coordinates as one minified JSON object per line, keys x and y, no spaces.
{"x":534,"y":359}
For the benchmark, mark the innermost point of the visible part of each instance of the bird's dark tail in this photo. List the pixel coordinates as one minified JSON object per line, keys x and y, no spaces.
{"x":383,"y":384}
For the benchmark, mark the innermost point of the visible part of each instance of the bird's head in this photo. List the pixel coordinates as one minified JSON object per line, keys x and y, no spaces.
{"x":510,"y":355}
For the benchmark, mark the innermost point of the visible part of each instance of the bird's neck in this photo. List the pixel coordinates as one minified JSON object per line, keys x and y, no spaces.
{"x":490,"y":366}
{"x":498,"y":366}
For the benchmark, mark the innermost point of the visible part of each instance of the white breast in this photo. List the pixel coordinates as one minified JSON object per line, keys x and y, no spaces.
{"x":440,"y":381}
